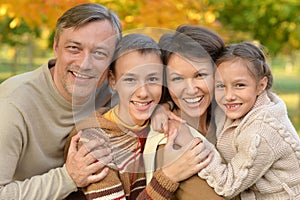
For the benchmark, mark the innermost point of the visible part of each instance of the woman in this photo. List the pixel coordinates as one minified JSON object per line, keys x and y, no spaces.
{"x":189,"y":54}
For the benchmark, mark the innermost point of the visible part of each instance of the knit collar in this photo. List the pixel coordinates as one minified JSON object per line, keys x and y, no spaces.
{"x":112,"y":115}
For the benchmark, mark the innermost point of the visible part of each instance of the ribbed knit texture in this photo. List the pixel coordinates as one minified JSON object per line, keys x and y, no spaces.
{"x":262,"y":151}
{"x":126,"y":178}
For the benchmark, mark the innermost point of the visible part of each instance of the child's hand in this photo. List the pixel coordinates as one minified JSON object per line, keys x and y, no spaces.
{"x":160,"y":117}
{"x":181,"y":164}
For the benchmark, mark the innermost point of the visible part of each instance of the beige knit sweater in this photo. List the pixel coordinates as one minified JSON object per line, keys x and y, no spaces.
{"x":262,"y":151}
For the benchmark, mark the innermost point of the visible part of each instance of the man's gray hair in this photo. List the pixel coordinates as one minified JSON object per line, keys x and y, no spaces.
{"x":85,"y":13}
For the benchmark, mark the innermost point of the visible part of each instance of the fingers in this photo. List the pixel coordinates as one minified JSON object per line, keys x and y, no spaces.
{"x":204,"y":163}
{"x":98,"y":176}
{"x":171,"y":115}
{"x":73,"y":144}
{"x":171,"y":139}
{"x":86,"y":163}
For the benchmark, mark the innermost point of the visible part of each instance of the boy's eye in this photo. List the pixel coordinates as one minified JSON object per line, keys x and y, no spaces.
{"x":129,"y":80}
{"x":153,"y":79}
{"x":220,"y":86}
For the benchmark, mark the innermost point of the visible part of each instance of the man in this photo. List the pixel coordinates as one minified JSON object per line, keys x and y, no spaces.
{"x":40,"y":108}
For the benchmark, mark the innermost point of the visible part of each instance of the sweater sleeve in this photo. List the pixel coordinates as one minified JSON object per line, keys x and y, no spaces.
{"x":54,"y":184}
{"x":159,"y":188}
{"x":253,"y":158}
{"x":108,"y":188}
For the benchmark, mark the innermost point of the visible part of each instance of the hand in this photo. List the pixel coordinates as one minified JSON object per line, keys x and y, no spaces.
{"x":184,"y":135}
{"x":87,"y":167}
{"x":185,"y":162}
{"x":160,"y":117}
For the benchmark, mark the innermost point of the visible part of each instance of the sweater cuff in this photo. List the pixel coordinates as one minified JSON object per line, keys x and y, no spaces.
{"x":69,"y":180}
{"x":161,"y":187}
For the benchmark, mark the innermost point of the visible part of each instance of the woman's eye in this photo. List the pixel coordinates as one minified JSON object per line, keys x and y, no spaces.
{"x":176,"y":78}
{"x":201,"y":75}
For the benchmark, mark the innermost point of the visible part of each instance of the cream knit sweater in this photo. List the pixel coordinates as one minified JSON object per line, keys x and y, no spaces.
{"x":262,"y":153}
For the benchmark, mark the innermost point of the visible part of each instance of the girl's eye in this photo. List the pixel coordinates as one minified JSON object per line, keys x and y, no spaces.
{"x":240,"y":85}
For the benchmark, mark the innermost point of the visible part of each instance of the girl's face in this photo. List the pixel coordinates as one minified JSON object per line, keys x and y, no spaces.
{"x":236,"y":89}
{"x":190,"y":84}
{"x":138,"y":80}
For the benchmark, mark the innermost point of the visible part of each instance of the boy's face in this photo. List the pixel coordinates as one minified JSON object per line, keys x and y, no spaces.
{"x":83,"y":56}
{"x":138,"y":80}
{"x":236,"y":89}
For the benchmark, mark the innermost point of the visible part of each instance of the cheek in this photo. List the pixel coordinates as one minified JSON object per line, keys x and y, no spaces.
{"x":156,"y":93}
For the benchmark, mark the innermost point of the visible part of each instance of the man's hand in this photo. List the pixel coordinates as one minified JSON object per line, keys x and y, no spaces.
{"x":87,"y":164}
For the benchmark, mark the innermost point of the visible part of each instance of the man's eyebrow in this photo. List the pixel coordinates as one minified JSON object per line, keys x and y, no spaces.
{"x":73,"y":41}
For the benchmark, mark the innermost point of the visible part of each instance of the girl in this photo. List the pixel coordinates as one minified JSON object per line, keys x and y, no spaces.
{"x":257,"y":140}
{"x":137,"y":76}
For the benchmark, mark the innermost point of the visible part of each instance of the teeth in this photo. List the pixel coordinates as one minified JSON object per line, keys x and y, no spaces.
{"x":232,"y":106}
{"x":140,"y":104}
{"x":193,"y":100}
{"x":79,"y":75}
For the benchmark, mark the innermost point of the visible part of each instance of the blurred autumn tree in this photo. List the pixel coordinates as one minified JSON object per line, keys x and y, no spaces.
{"x":275,"y":24}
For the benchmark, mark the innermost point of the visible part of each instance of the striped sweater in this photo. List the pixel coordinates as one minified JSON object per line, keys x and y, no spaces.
{"x":126,"y":178}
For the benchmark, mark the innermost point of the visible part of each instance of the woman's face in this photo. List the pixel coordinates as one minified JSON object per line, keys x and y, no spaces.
{"x":190,"y":84}
{"x":138,"y":81}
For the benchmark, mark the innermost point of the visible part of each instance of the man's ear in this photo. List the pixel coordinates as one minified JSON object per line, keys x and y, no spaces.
{"x":111,"y":80}
{"x":262,"y":85}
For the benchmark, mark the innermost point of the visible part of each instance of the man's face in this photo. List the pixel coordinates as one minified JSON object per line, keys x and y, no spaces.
{"x":83,"y":56}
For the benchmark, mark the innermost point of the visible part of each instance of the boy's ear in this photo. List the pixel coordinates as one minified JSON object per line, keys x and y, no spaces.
{"x":262,"y":85}
{"x":111,"y":80}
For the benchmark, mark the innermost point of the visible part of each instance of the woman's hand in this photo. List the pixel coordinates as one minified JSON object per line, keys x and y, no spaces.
{"x":181,"y":164}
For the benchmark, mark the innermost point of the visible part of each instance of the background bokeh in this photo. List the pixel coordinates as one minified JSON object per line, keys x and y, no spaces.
{"x":27,"y":30}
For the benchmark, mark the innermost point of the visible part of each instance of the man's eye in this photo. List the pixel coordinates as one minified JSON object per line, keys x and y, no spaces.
{"x":100,"y":54}
{"x":72,"y":48}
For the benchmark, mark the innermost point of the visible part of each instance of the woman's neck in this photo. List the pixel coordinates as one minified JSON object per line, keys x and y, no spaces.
{"x":200,"y":123}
